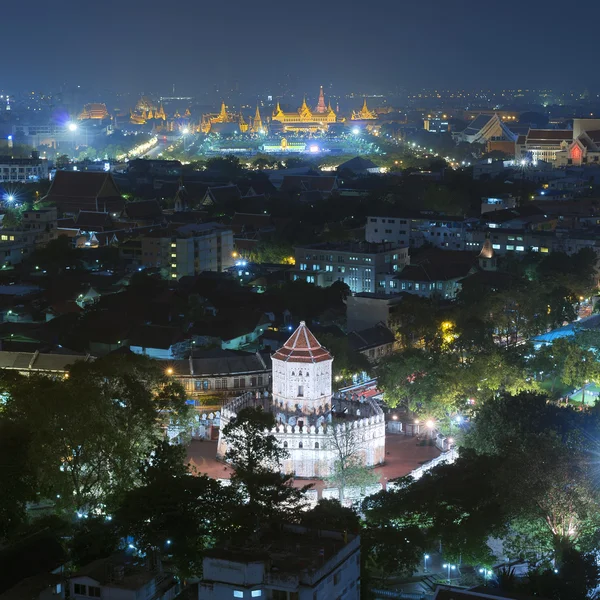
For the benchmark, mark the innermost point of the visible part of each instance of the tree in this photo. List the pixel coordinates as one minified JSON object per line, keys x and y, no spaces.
{"x":90,"y":431}
{"x":457,"y":504}
{"x":179,"y":519}
{"x":17,"y":475}
{"x":228,"y":166}
{"x":544,"y":472}
{"x":62,"y":161}
{"x":330,"y":514}
{"x":348,"y":362}
{"x":256,"y":457}
{"x":349,"y":468}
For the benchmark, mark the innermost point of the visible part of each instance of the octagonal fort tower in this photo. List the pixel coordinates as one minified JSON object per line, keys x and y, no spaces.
{"x":309,"y":417}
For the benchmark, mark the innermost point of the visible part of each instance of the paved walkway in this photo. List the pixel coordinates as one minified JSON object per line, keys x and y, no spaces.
{"x":403,"y":455}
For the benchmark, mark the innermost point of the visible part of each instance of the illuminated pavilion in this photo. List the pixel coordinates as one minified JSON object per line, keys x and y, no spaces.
{"x":305,"y":119}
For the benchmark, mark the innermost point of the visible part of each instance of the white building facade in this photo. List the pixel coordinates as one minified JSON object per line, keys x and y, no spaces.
{"x":296,"y":565}
{"x":311,"y":422}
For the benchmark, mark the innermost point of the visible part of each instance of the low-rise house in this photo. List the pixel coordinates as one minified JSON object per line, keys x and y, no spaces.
{"x":36,"y":362}
{"x":291,"y":563}
{"x":222,"y":372}
{"x":123,"y":577}
{"x":159,"y":342}
{"x":374,"y":342}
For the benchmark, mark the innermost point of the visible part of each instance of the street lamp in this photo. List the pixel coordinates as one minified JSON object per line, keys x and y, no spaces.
{"x":72,"y":126}
{"x":450,"y":568}
{"x":425,"y":559}
{"x":487,"y":573}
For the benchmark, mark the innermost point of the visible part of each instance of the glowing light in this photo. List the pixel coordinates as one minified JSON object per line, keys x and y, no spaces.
{"x":10,"y":198}
{"x":355,"y":130}
{"x":72,"y":126}
{"x":430,"y":424}
{"x":185,"y":131}
{"x":314,"y":148}
{"x":169,"y":371}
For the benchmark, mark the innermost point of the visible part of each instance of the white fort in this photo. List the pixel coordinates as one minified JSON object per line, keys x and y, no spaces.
{"x":316,"y":426}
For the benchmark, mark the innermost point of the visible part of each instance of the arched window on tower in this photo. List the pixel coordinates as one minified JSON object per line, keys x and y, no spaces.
{"x":300,"y":445}
{"x":285,"y":444}
{"x":316,"y":445}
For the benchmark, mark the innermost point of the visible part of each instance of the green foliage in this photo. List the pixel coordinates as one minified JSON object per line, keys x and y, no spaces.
{"x":17,"y":475}
{"x":348,"y":361}
{"x":330,"y":514}
{"x":256,"y":457}
{"x":180,"y":518}
{"x":90,"y":431}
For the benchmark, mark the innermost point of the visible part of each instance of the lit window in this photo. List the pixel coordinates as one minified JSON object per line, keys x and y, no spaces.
{"x":173,"y":265}
{"x":496,"y":246}
{"x":510,"y":247}
{"x":238,"y":594}
{"x":256,"y":593}
{"x":535,"y":248}
{"x":11,"y":238}
{"x":520,"y":248}
{"x":4,"y":238}
{"x":544,"y":250}
{"x":173,"y":255}
{"x":173,"y":274}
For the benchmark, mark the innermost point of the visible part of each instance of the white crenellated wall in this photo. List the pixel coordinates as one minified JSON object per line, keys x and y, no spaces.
{"x":311,"y":453}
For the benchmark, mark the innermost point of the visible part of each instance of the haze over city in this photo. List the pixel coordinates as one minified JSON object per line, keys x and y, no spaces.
{"x":299,"y":301}
{"x":149,"y":46}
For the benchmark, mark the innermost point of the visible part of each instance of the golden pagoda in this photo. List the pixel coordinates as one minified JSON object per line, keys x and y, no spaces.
{"x":160,"y":113}
{"x":364,"y":114}
{"x":305,"y":119}
{"x":211,"y":119}
{"x":257,"y":124}
{"x":150,"y":115}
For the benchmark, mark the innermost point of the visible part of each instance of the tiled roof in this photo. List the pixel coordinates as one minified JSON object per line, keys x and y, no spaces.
{"x":302,"y":347}
{"x":96,"y":221}
{"x":143,"y":209}
{"x":549,"y":134}
{"x":82,"y":184}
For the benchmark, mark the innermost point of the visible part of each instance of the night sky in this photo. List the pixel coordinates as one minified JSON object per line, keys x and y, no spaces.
{"x":350,"y":45}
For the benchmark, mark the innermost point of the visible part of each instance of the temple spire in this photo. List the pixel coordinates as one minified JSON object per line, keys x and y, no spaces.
{"x":257,"y":126}
{"x":223,"y":113}
{"x":321,"y":106}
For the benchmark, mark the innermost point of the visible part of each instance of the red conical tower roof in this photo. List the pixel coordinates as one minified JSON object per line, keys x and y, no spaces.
{"x":303,"y":347}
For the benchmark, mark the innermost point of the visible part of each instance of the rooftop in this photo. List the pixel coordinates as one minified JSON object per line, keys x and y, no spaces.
{"x":293,"y":550}
{"x":302,"y":347}
{"x":357,"y":247}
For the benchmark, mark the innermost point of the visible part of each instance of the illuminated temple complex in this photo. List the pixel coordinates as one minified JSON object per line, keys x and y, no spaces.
{"x":146,"y":110}
{"x":316,"y":426}
{"x":305,"y":119}
{"x":364,"y":114}
{"x":223,"y":122}
{"x":95,"y":111}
